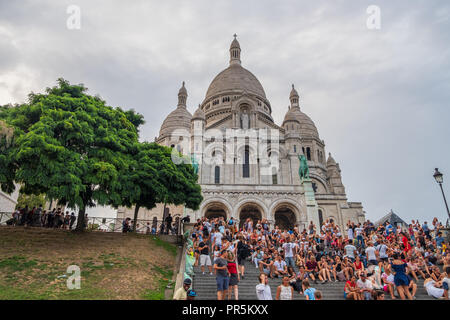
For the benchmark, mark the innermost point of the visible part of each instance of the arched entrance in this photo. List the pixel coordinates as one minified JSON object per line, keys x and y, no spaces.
{"x":285,"y":217}
{"x":216,"y":210}
{"x":251,"y":211}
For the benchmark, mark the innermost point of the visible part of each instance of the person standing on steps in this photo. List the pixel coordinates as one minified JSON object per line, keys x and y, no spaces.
{"x":222,"y":279}
{"x":205,"y":260}
{"x":309,"y":291}
{"x":243,"y":251}
{"x":234,"y":276}
{"x":263,"y":291}
{"x":168,"y":223}
{"x":285,"y":291}
{"x":401,"y":280}
{"x":289,"y":252}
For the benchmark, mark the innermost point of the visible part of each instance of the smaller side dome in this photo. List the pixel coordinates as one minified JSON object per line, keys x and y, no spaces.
{"x":180,"y":118}
{"x":290,"y":116}
{"x":198,"y":114}
{"x":330,"y":161}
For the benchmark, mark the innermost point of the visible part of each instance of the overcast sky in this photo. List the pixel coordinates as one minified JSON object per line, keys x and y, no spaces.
{"x":380,"y":98}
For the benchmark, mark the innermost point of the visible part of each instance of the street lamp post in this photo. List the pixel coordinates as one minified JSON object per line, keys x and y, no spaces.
{"x":439,"y":177}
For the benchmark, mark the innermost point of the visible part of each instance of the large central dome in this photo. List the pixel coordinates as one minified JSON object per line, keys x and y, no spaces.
{"x":233,"y":78}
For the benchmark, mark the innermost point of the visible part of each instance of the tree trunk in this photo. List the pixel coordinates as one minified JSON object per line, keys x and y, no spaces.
{"x":81,"y":223}
{"x":136,"y":211}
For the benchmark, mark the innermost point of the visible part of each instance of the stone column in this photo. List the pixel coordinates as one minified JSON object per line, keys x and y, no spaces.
{"x":312,"y":212}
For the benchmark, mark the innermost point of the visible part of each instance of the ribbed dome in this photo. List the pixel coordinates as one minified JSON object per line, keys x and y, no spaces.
{"x":330,"y":161}
{"x":290,"y":116}
{"x":307,"y":126}
{"x":233,"y":78}
{"x":199,"y":114}
{"x":180,"y":118}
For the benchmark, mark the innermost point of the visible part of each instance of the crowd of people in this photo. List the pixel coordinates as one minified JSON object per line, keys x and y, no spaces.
{"x":168,"y":226}
{"x":57,"y":218}
{"x":372,"y":261}
{"x":38,"y":217}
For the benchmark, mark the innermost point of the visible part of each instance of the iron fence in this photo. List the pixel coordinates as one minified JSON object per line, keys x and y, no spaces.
{"x":102,"y":224}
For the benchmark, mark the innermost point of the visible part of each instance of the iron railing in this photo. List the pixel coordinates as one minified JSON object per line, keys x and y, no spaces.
{"x":102,"y":224}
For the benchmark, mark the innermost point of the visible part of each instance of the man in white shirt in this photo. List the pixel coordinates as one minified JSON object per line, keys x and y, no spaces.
{"x":366,"y":286}
{"x":350,"y":233}
{"x":359,"y":235}
{"x":382,"y":251}
{"x":218,"y":238}
{"x":289,"y":251}
{"x":350,"y":251}
{"x":280,"y":267}
{"x":370,"y":254}
{"x":263,"y":291}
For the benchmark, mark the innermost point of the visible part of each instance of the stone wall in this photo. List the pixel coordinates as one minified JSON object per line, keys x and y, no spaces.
{"x":8,"y":201}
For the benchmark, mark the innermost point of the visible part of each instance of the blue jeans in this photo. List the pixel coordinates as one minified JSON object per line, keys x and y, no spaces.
{"x":222,"y":282}
{"x":289,"y":262}
{"x":360,"y":240}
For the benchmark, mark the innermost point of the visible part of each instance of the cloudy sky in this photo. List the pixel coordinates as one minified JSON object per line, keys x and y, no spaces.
{"x":379,"y":97}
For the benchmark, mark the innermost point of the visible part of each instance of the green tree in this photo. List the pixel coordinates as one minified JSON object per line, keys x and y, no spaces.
{"x":69,"y":146}
{"x":154,"y":178}
{"x":30,"y":200}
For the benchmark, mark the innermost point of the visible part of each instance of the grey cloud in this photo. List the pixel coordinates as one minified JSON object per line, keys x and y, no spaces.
{"x":379,"y":98}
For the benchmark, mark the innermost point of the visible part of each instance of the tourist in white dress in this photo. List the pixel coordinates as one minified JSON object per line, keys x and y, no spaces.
{"x":284,"y":291}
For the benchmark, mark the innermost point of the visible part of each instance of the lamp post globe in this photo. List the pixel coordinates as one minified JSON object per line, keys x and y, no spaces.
{"x":439,"y":177}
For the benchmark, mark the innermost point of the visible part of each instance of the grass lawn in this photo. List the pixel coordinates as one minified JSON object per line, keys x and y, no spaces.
{"x":34,"y":261}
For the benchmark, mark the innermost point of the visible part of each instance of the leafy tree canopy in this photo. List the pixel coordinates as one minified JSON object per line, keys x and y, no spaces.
{"x":30,"y":200}
{"x":154,"y":178}
{"x":68,"y":145}
{"x":72,"y":147}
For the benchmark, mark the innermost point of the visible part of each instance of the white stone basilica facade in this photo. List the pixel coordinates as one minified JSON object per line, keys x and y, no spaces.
{"x":248,"y":165}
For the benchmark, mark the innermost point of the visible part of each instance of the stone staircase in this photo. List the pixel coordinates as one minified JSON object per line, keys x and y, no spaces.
{"x":205,"y":286}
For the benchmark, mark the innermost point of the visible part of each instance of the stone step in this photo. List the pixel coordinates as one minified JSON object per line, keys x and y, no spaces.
{"x":205,"y":286}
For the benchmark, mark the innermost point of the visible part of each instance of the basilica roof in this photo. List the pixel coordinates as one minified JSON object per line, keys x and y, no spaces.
{"x":307,"y":126}
{"x":199,"y":114}
{"x":180,"y":118}
{"x":235,"y":77}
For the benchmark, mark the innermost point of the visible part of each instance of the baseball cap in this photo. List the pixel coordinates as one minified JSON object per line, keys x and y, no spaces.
{"x":187,"y":281}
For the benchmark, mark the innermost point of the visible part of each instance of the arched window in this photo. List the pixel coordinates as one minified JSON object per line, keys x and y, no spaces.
{"x":246,"y":165}
{"x":320,"y":217}
{"x":295,"y":148}
{"x":308,"y":153}
{"x":217,"y":175}
{"x":274,"y":176}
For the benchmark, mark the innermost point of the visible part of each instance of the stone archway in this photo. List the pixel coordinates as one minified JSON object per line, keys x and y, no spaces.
{"x":252,"y":211}
{"x":215,"y":210}
{"x":285,"y":217}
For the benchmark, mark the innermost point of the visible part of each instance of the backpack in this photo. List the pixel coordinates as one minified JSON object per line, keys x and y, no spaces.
{"x":244,"y":251}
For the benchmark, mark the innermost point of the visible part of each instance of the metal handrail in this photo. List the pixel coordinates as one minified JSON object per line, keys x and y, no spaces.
{"x":108,"y":224}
